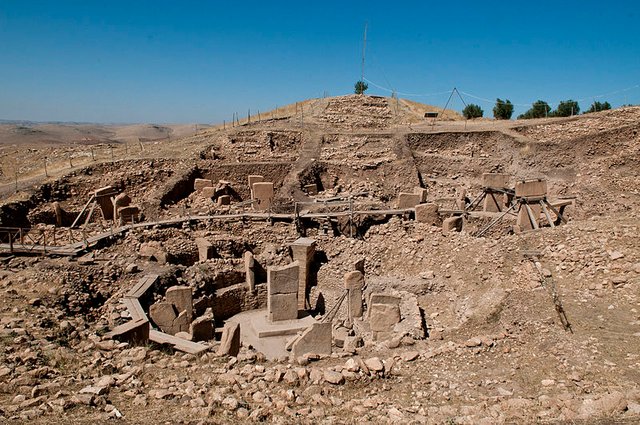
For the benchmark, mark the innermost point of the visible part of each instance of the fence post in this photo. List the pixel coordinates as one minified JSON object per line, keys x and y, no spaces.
{"x":11,"y":240}
{"x":46,"y":173}
{"x":111,"y":149}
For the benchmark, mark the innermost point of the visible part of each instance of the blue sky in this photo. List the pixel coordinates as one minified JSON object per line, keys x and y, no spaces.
{"x":200,"y":61}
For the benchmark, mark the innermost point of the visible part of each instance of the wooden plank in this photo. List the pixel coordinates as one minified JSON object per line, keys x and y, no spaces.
{"x":546,"y":214}
{"x":135,"y":309}
{"x":532,"y":218}
{"x":177,"y":343}
{"x":75,"y":222}
{"x":141,"y":286}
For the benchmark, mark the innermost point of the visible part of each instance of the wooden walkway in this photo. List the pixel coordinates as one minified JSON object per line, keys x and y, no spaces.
{"x":76,"y":248}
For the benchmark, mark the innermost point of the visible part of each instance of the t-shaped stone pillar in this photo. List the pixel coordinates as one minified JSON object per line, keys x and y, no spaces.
{"x":303,"y":250}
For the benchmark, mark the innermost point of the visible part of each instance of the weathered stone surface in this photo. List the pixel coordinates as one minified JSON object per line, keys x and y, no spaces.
{"x":384,"y":312}
{"x":182,"y":298}
{"x":249,"y":268}
{"x":252,"y":180}
{"x":206,"y":250}
{"x":153,"y":250}
{"x":208,"y":192}
{"x":120,"y":201}
{"x":201,"y":329}
{"x":282,"y":307}
{"x":282,"y":292}
{"x":163,"y":314}
{"x":524,"y":221}
{"x":452,"y":224}
{"x":428,"y":214}
{"x":303,"y":251}
{"x":496,"y":180}
{"x":199,"y":184}
{"x":333,"y":377}
{"x":315,"y":339}
{"x":103,"y":198}
{"x":354,"y":282}
{"x":224,"y":200}
{"x":408,"y":200}
{"x":263,"y":193}
{"x":422,"y":192}
{"x":531,"y":188}
{"x":283,"y":279}
{"x":129,"y":214}
{"x":230,"y":341}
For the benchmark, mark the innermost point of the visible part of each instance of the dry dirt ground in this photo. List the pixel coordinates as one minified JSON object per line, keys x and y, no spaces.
{"x":496,"y":351}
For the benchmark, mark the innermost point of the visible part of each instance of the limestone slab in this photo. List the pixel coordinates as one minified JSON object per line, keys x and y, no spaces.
{"x":315,"y":339}
{"x":408,"y":200}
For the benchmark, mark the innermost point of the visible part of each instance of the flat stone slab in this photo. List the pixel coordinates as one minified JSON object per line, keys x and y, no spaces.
{"x":269,"y":338}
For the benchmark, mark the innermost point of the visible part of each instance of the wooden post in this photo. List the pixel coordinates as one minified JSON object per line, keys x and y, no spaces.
{"x":111,"y":149}
{"x":46,"y":173}
{"x":16,"y":176}
{"x":224,"y":125}
{"x":93,"y":158}
{"x":249,"y":116}
{"x":11,"y":240}
{"x":21,"y":237}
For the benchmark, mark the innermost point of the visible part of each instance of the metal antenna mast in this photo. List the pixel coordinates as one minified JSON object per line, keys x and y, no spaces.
{"x":364,"y":49}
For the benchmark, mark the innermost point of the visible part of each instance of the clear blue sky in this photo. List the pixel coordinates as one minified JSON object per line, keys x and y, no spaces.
{"x":200,"y":61}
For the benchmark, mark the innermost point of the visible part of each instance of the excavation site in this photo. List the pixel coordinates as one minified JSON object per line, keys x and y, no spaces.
{"x":351,"y":259}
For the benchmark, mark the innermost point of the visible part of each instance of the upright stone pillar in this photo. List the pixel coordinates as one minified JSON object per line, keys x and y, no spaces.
{"x":303,"y":250}
{"x":103,"y":198}
{"x":282,"y":292}
{"x":354,"y":282}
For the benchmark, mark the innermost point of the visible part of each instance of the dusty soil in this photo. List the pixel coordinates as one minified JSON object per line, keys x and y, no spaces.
{"x":495,"y":351}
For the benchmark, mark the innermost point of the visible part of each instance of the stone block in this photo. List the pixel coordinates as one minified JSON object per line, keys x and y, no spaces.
{"x":354,"y":280}
{"x":422,"y":192}
{"x":378,"y":298}
{"x":263,"y":194}
{"x":303,"y":251}
{"x":129,"y":214}
{"x":206,"y":250}
{"x":252,"y":180}
{"x":182,"y":298}
{"x":120,"y":201}
{"x":208,"y":192}
{"x":493,"y":202}
{"x":103,"y":198}
{"x":495,"y":180}
{"x":199,"y":184}
{"x":452,"y":224}
{"x":153,"y":251}
{"x":283,"y":279}
{"x":202,"y":328}
{"x":383,"y":317}
{"x":311,"y":189}
{"x":523,"y":221}
{"x":428,"y":214}
{"x":282,"y":307}
{"x":250,"y":270}
{"x":531,"y":188}
{"x":315,"y":339}
{"x":408,"y":200}
{"x":230,"y":341}
{"x":224,"y":200}
{"x":163,"y":315}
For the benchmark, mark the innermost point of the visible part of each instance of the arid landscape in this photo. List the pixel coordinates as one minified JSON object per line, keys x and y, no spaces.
{"x":373,"y":271}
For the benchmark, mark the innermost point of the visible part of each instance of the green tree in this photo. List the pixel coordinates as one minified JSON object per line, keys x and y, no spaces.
{"x":472,"y":111}
{"x":361,"y":87}
{"x":503,"y":109}
{"x":598,"y":106}
{"x":566,"y":108}
{"x":539,"y":109}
